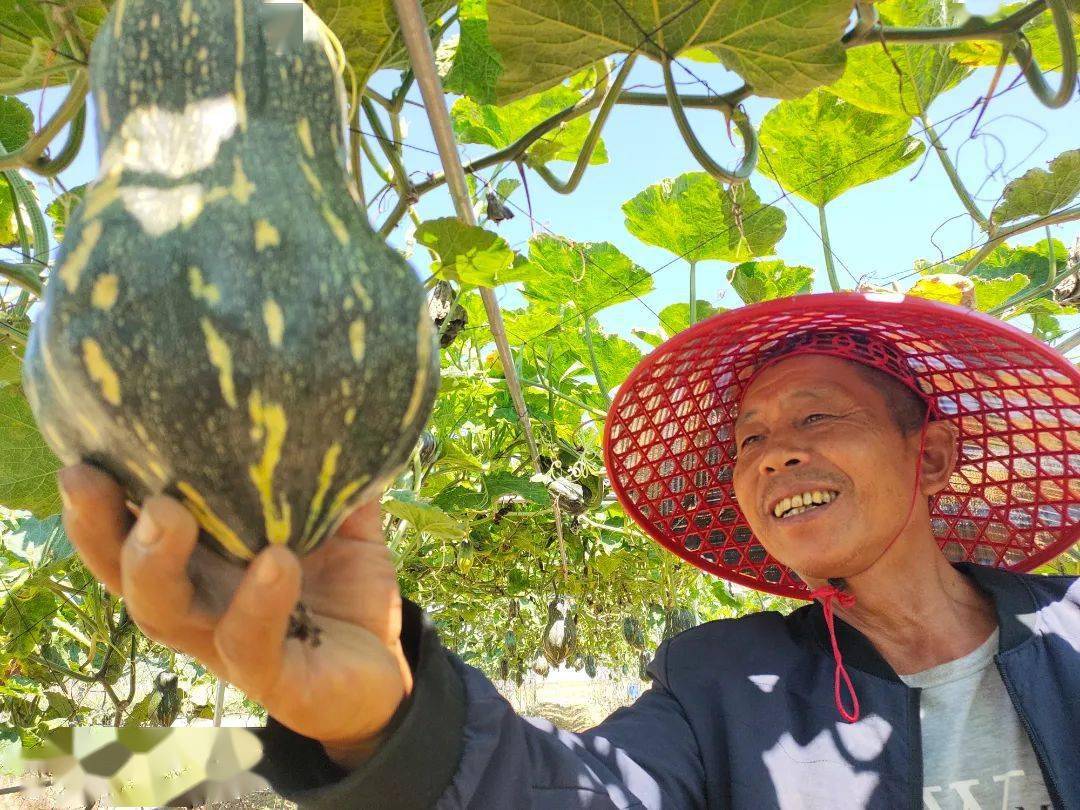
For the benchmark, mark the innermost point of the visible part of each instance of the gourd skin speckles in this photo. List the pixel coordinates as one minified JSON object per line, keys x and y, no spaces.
{"x":100,"y":371}
{"x":203,"y":319}
{"x":303,"y":131}
{"x":221,"y":358}
{"x":275,"y":322}
{"x":356,"y":340}
{"x":106,"y":291}
{"x":266,"y":235}
{"x":77,"y":260}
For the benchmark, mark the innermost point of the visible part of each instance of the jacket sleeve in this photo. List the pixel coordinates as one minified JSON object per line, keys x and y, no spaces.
{"x":456,"y":743}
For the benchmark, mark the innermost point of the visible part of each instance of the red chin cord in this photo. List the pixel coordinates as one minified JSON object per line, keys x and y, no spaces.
{"x":829,"y":594}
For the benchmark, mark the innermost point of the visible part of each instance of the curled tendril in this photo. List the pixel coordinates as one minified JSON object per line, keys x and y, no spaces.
{"x":593,"y":138}
{"x":742,"y":172}
{"x":1025,"y":58}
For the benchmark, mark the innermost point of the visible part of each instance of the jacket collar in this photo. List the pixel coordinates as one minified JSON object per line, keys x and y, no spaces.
{"x":1012,"y":598}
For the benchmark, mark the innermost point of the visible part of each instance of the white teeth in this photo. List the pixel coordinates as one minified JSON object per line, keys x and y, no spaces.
{"x":800,"y":503}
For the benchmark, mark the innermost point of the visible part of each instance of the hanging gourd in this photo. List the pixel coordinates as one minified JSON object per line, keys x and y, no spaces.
{"x":223,"y":324}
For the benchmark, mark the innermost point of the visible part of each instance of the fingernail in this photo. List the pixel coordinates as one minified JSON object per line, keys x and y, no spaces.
{"x":146,"y":531}
{"x":266,"y":571}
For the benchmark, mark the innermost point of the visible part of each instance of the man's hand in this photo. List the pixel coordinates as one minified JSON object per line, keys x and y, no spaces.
{"x":341,"y":693}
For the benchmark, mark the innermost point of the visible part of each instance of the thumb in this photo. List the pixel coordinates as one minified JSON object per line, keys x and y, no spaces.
{"x":364,"y":522}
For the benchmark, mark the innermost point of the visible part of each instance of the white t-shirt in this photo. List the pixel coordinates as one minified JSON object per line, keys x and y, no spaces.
{"x":976,"y":755}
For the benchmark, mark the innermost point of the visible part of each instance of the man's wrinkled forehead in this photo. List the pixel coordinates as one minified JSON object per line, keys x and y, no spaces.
{"x":821,"y":389}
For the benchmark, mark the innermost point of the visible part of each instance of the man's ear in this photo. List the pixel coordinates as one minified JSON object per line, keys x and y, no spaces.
{"x":939,"y":456}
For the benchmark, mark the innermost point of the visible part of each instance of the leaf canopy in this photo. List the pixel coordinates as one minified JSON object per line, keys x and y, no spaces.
{"x":1040,"y":192}
{"x":697,"y":218}
{"x":469,"y":254}
{"x":27,"y":465}
{"x":476,"y":65}
{"x":28,"y":52}
{"x":781,"y":48}
{"x":423,"y":515}
{"x":820,"y":146}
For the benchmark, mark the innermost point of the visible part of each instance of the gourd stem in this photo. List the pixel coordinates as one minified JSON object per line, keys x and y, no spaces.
{"x":26,"y":156}
{"x":588,"y":147}
{"x":691,"y":101}
{"x":974,"y":28}
{"x":954,"y":176}
{"x":595,"y":363}
{"x":1055,"y":218}
{"x":401,"y":178}
{"x":1036,"y":80}
{"x":414,"y":31}
{"x":830,"y":268}
{"x":742,"y":172}
{"x":356,"y":137}
{"x":47,"y":167}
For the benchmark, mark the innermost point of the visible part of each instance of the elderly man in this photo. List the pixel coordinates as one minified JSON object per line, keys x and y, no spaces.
{"x":897,"y":462}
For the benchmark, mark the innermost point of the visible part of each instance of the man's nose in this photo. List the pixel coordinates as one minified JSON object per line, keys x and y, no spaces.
{"x":780,"y":455}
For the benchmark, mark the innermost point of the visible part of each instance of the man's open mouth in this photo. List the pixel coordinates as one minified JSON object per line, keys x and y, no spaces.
{"x":810,"y":501}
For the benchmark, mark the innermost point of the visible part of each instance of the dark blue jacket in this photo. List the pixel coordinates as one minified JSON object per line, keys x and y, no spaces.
{"x":740,"y":714}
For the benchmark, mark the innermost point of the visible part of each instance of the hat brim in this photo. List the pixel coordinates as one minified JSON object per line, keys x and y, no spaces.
{"x":1012,"y":502}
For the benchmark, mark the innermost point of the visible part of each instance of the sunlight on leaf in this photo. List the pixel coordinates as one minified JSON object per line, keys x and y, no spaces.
{"x":1040,"y":192}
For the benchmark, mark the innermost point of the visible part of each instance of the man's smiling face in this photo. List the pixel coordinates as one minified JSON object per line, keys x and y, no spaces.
{"x":815,"y":424}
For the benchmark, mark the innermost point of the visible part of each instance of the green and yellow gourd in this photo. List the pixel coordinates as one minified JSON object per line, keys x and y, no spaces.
{"x":223,"y":325}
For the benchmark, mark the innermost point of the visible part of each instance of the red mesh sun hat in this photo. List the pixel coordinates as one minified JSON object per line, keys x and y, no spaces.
{"x":1013,"y":500}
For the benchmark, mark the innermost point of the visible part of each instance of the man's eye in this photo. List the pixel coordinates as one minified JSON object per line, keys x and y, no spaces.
{"x":747,"y":440}
{"x":815,"y":415}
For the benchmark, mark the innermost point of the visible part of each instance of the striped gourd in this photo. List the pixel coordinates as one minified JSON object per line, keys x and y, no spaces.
{"x":223,"y":325}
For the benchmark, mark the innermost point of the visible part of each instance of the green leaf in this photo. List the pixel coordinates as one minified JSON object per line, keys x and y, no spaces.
{"x":697,"y":218}
{"x":524,"y":325}
{"x":782,"y":48}
{"x":499,"y":127}
{"x":41,"y":542}
{"x":821,"y":146}
{"x":60,"y":209}
{"x":423,"y":515}
{"x":766,"y":280}
{"x":476,"y":64}
{"x":1032,"y":261}
{"x":616,"y":357}
{"x":1044,"y":314}
{"x":10,"y":363}
{"x":992,"y":293}
{"x":469,"y":254}
{"x":16,"y":123}
{"x":1039,"y":192}
{"x":9,"y":232}
{"x":27,"y":466}
{"x":937,"y":288}
{"x":27,"y":48}
{"x":505,"y":483}
{"x":588,"y":276}
{"x":369,"y":31}
{"x":651,"y":338}
{"x":903,"y":79}
{"x":675,"y":318}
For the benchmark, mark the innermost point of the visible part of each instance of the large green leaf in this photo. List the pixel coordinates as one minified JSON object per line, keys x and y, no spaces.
{"x":674,"y":318}
{"x":1032,"y":261}
{"x":586,"y":275}
{"x":27,"y":47}
{"x":523,"y":325}
{"x":476,"y":64}
{"x":424,"y":516}
{"x":782,"y":48}
{"x":499,"y":127}
{"x":16,"y":122}
{"x":615,"y":356}
{"x":9,"y":230}
{"x":820,"y":146}
{"x":469,"y":254}
{"x":1044,"y":314}
{"x":992,"y":293}
{"x":369,"y":31}
{"x":60,"y":209}
{"x":903,"y":79}
{"x":697,"y":218}
{"x":1040,"y":192}
{"x":27,"y":466}
{"x":41,"y":542}
{"x":766,"y":280}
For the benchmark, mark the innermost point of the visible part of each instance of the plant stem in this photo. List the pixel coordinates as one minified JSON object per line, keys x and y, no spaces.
{"x":1069,"y":343}
{"x":28,"y":154}
{"x":595,"y":363}
{"x":954,"y":176}
{"x":974,"y":28}
{"x":693,"y":293}
{"x":830,"y":268}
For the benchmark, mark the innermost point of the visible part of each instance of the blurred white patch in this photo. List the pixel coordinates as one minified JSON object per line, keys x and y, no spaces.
{"x":866,"y":739}
{"x":789,"y":764}
{"x":173,"y":144}
{"x":766,"y":683}
{"x":160,"y":210}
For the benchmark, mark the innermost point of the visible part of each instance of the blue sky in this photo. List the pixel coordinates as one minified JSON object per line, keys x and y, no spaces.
{"x":878,"y":230}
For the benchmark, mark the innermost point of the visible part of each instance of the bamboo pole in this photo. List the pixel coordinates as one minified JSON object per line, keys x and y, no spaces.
{"x":414,"y":31}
